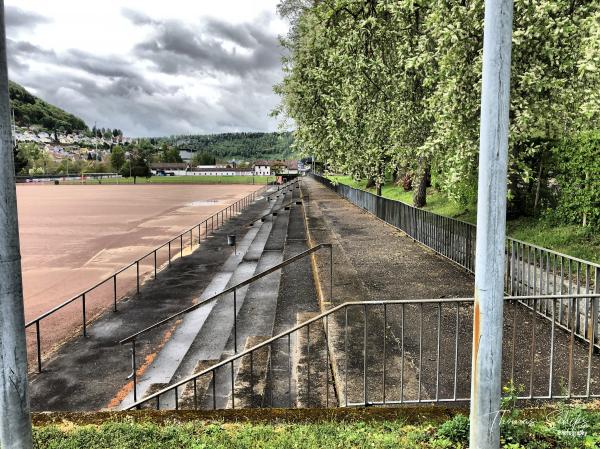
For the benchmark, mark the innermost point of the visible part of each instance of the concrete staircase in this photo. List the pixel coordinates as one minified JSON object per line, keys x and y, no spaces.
{"x":207,"y":334}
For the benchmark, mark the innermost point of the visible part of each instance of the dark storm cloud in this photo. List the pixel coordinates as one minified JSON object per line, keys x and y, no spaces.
{"x":176,"y":47}
{"x":124,"y":91}
{"x":18,"y":18}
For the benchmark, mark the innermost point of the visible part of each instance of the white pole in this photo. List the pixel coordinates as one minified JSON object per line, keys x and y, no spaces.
{"x":15,"y":419}
{"x":491,"y":227}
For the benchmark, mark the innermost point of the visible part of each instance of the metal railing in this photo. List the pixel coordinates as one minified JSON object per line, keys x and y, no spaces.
{"x":394,"y":352}
{"x":530,"y":269}
{"x":209,"y":224}
{"x":230,"y":290}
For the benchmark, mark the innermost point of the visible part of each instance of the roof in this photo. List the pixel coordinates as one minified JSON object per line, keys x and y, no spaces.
{"x":291,"y":165}
{"x":169,"y":165}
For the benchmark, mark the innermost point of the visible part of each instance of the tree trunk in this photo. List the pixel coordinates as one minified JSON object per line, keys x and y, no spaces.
{"x":378,"y":189}
{"x":370,"y":183}
{"x":420,"y":196}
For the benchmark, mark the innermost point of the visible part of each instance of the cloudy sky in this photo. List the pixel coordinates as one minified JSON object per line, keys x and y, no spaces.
{"x":151,"y":67}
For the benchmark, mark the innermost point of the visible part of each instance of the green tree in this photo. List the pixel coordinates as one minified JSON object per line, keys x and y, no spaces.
{"x":117,"y":158}
{"x":203,"y":159}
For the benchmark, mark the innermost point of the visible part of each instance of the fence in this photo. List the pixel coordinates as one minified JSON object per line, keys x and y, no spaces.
{"x":530,"y":269}
{"x":389,"y":353}
{"x":186,"y":238}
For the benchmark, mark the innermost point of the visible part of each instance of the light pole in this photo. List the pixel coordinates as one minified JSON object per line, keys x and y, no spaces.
{"x":15,"y":418}
{"x":486,"y":388}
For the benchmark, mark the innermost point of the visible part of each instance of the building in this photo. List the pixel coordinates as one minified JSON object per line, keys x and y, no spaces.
{"x":275,"y":167}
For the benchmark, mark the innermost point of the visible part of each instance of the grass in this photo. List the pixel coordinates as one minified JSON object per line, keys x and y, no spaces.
{"x":562,"y":427}
{"x":575,"y":241}
{"x":258,"y":180}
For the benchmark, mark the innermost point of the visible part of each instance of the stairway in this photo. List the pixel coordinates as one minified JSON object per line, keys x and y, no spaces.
{"x":206,"y":335}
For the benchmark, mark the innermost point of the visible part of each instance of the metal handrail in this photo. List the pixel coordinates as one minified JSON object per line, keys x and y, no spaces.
{"x":223,"y":213}
{"x":229,"y":290}
{"x":132,"y":338}
{"x":324,"y":316}
{"x":273,"y":212}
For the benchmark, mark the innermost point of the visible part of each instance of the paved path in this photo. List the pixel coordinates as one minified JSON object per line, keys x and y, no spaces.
{"x":427,"y":351}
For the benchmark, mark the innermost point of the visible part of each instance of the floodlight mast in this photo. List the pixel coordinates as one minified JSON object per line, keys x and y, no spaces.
{"x":486,"y":388}
{"x":15,"y":418}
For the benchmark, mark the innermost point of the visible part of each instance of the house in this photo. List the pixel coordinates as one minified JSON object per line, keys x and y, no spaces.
{"x":275,"y":167}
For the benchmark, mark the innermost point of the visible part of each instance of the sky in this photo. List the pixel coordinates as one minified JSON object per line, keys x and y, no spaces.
{"x":149,"y":67}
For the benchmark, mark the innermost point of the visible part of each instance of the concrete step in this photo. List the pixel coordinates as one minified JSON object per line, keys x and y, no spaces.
{"x":213,"y":339}
{"x":239,"y":266}
{"x":251,"y":377}
{"x":255,"y":315}
{"x":311,"y":365}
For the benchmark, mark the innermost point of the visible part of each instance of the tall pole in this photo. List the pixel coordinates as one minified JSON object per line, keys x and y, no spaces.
{"x":15,"y":419}
{"x":491,"y":227}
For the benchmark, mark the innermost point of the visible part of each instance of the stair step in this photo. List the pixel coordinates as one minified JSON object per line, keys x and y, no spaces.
{"x":167,"y":362}
{"x":312,"y":371}
{"x":251,"y":377}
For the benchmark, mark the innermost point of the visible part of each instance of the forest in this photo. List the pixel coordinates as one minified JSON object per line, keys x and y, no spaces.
{"x":244,"y":145}
{"x":30,"y":110}
{"x":388,"y":92}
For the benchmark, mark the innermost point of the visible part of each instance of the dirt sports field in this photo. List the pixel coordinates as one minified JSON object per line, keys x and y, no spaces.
{"x":74,"y":236}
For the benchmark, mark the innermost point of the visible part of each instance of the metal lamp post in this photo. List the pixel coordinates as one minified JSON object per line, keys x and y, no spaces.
{"x":491,"y":227}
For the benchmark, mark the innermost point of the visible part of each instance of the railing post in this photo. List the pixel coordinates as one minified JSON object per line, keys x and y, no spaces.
{"x":155,"y":268}
{"x":137,"y":274}
{"x":331,"y":273}
{"x":134,"y":369}
{"x":235,"y":320}
{"x":114,"y":293}
{"x":38,"y":338}
{"x":83,"y":314}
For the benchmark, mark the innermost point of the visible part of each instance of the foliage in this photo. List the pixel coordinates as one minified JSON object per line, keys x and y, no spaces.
{"x":117,"y":158}
{"x":455,"y":430}
{"x":170,"y":154}
{"x":377,"y":87}
{"x":569,"y":427}
{"x":203,"y":158}
{"x":30,"y":110}
{"x":577,"y":168}
{"x":248,"y":146}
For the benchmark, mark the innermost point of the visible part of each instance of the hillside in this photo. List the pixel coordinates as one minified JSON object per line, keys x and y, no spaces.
{"x":31,"y":110}
{"x":244,"y":146}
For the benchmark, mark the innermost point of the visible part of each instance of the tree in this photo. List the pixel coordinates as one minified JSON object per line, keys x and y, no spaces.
{"x":136,"y":165}
{"x":19,"y":159}
{"x":203,"y":159}
{"x":117,"y":158}
{"x":170,"y":154}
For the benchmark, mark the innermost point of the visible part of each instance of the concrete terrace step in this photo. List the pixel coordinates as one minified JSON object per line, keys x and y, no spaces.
{"x":237,"y":268}
{"x":255,"y":316}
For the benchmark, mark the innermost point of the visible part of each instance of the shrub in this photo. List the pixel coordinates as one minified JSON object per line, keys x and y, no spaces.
{"x":455,"y":430}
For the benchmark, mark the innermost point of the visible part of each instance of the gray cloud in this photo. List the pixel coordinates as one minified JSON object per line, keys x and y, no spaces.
{"x":18,"y":18}
{"x":119,"y":90}
{"x":176,"y":47}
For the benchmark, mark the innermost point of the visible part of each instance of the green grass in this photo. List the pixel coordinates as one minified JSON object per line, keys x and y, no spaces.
{"x":258,"y":180}
{"x":575,"y":241}
{"x":562,"y":427}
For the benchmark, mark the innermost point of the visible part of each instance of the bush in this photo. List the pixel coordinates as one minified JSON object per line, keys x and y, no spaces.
{"x":455,"y":430}
{"x":577,"y":163}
